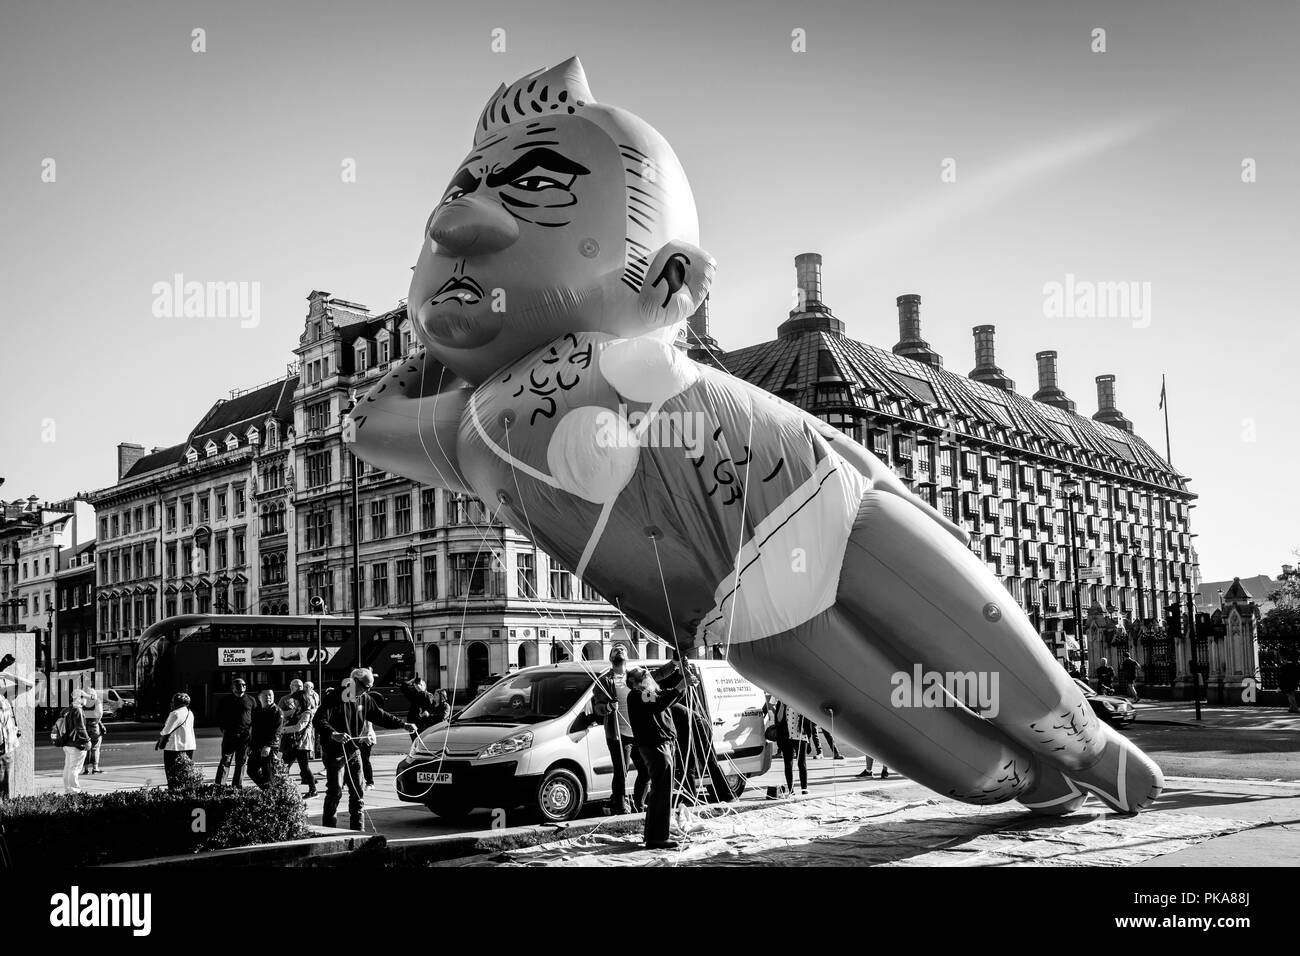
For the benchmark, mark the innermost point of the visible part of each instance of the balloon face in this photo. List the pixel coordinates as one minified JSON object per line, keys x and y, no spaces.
{"x":557,"y":221}
{"x":530,"y":220}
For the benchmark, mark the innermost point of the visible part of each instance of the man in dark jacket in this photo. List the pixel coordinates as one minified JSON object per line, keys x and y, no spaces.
{"x":427,"y":708}
{"x":340,"y":727}
{"x":235,"y":718}
{"x":264,"y":738}
{"x":650,"y":713}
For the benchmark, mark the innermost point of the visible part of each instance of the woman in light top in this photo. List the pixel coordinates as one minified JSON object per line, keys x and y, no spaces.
{"x":177,"y":735}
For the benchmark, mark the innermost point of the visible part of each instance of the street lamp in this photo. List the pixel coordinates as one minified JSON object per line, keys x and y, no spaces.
{"x":1070,"y":492}
{"x":1137,"y":570}
{"x":319,"y":609}
{"x":411,"y":553}
{"x":49,"y":648}
{"x":344,"y":426}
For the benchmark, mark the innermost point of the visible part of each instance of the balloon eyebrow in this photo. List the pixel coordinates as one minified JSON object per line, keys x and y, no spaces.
{"x":543,"y":158}
{"x":464,"y":181}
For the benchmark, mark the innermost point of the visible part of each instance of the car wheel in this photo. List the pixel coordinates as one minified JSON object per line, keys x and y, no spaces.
{"x":559,"y":796}
{"x":450,"y":810}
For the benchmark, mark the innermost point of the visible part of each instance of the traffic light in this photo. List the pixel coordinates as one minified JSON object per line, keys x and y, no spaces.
{"x":1174,"y":621}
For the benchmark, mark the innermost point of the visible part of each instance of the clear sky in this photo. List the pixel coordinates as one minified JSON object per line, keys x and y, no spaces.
{"x":1122,"y":166}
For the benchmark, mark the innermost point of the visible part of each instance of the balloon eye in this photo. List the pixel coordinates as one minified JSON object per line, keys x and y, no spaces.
{"x":534,"y":184}
{"x":452,"y":196}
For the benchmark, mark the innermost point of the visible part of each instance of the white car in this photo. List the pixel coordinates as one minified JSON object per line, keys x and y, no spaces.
{"x":533,"y":740}
{"x":119,"y":703}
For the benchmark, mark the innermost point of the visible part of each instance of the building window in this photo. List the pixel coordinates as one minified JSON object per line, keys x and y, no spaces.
{"x":273,"y":568}
{"x":402,"y":514}
{"x":222,"y":551}
{"x":428,"y":515}
{"x":379,"y":519}
{"x":320,"y":583}
{"x":241,"y":550}
{"x":103,"y":528}
{"x":240,"y":501}
{"x":525,"y":575}
{"x":319,"y":531}
{"x":430,"y":577}
{"x":318,"y":469}
{"x":474,"y":574}
{"x":272,"y":519}
{"x":115,"y":526}
{"x":561,"y":583}
{"x":126,"y":522}
{"x":205,"y":509}
{"x":379,"y":585}
{"x":187,"y":513}
{"x":405,"y":584}
{"x":318,"y":416}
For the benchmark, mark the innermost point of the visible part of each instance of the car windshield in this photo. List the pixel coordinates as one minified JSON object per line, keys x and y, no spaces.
{"x":527,"y":698}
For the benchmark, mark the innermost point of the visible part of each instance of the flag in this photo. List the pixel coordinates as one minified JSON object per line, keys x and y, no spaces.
{"x":1162,"y":393}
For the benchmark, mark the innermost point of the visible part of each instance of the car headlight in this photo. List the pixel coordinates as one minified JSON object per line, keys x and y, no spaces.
{"x":508,"y":745}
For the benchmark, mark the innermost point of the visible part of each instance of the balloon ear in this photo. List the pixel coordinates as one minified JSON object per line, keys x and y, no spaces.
{"x":679,"y":277}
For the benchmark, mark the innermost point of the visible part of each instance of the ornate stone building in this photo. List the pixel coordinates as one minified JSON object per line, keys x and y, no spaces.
{"x":178,"y":533}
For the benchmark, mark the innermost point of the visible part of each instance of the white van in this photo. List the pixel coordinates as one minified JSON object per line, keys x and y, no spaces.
{"x":533,"y":740}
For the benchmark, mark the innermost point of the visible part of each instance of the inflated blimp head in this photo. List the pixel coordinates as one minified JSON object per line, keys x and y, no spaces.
{"x":567,"y":215}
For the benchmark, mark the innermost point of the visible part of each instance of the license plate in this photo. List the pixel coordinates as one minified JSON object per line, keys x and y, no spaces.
{"x":428,"y":776}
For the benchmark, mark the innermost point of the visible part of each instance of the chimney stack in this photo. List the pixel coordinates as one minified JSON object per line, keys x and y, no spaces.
{"x":1107,"y":413}
{"x":986,"y":369}
{"x":1048,"y":393}
{"x":127,"y":455}
{"x":700,"y":345}
{"x":810,"y":313}
{"x":808,"y":279}
{"x":910,"y":344}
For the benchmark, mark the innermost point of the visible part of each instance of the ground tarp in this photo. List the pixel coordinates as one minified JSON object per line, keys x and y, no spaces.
{"x":865,"y":829}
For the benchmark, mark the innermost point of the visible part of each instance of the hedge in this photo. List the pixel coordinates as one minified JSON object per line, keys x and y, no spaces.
{"x":89,"y":829}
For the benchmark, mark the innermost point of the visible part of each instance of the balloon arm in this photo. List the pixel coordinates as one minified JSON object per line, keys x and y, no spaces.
{"x":882,"y":477}
{"x":409,"y":421}
{"x":17,"y":680}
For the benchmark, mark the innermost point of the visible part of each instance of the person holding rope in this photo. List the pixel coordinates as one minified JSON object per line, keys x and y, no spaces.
{"x":650,"y":714}
{"x":340,"y":728}
{"x":611,"y":703}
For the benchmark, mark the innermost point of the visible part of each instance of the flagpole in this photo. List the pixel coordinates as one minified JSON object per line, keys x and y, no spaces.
{"x":1164,"y":403}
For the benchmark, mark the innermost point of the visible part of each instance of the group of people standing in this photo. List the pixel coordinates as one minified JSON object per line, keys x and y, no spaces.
{"x":339,"y":728}
{"x":257,"y":728}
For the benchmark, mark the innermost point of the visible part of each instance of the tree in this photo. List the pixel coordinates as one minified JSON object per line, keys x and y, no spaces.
{"x":1280,"y":628}
{"x":1287,"y":593}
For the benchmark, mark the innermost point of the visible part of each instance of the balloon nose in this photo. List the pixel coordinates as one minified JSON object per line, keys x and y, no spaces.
{"x":473,"y":226}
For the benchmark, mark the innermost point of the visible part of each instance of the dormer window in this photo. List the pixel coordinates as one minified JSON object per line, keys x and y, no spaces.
{"x":191,"y":455}
{"x":254,"y":438}
{"x":385,"y":346}
{"x":272,"y":432}
{"x":406,"y":338}
{"x":231,"y":441}
{"x":210,"y":448}
{"x":360,"y":352}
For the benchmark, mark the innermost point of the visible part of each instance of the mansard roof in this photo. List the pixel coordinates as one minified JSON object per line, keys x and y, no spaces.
{"x":878,"y":381}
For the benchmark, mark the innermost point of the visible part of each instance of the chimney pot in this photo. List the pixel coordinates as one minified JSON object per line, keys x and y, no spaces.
{"x":910,"y":344}
{"x":808,"y":278}
{"x":1107,"y":413}
{"x":1048,"y":392}
{"x":986,"y":369}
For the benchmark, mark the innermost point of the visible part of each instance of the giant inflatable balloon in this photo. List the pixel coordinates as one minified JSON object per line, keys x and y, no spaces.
{"x":555,"y":274}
